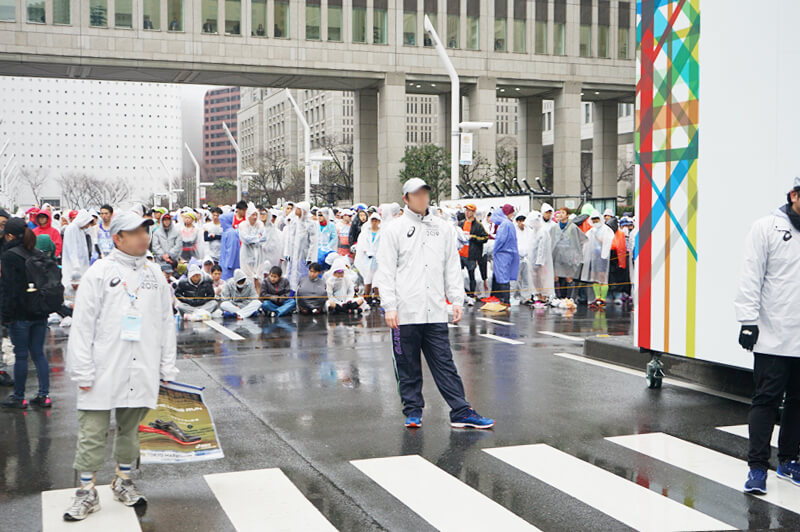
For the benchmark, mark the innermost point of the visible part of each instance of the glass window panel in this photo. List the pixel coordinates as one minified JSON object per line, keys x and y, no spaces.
{"x":233,"y":17}
{"x":61,"y":14}
{"x":8,"y":10}
{"x":453,"y":23}
{"x":98,"y":13}
{"x":559,"y":27}
{"x":209,"y":16}
{"x":123,"y":13}
{"x":313,"y":20}
{"x":427,"y":39}
{"x":623,"y":32}
{"x":499,"y":35}
{"x":473,"y":25}
{"x":35,"y":11}
{"x":334,"y":20}
{"x":603,"y":18}
{"x":380,"y":22}
{"x":151,"y":14}
{"x":602,"y":41}
{"x":585,"y":39}
{"x":258,"y":14}
{"x":282,"y":19}
{"x":519,"y":36}
{"x":175,"y":15}
{"x":541,"y":37}
{"x":410,"y":28}
{"x":359,"y":24}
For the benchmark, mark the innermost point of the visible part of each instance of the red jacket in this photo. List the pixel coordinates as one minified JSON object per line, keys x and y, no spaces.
{"x":49,"y":230}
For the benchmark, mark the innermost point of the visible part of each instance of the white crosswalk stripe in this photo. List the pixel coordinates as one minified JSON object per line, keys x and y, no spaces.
{"x":498,"y":322}
{"x":265,"y":499}
{"x":744,"y":432}
{"x":713,"y":465}
{"x":420,"y":485}
{"x":113,"y":515}
{"x":502,"y":339}
{"x":625,"y":501}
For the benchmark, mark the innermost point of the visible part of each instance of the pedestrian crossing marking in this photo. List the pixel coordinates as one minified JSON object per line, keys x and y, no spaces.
{"x":710,"y":464}
{"x":430,"y":492}
{"x":223,"y":330}
{"x":498,"y":322}
{"x":265,"y":499}
{"x":744,"y":432}
{"x":502,"y":339}
{"x":113,"y":515}
{"x":617,"y":497}
{"x":577,"y":339}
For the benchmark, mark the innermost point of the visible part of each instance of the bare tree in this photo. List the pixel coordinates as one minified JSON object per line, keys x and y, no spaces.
{"x":505,"y":161}
{"x":479,"y":170}
{"x":339,"y":171}
{"x":80,"y":190}
{"x":269,"y":182}
{"x":35,"y":178}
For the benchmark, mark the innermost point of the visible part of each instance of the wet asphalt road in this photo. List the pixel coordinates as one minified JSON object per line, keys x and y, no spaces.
{"x":310,"y":395}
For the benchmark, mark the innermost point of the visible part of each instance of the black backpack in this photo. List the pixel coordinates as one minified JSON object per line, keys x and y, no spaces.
{"x":44,"y":274}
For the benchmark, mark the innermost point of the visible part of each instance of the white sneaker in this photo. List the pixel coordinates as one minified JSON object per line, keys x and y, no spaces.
{"x":66,"y":322}
{"x":85,"y":502}
{"x":216,"y":314}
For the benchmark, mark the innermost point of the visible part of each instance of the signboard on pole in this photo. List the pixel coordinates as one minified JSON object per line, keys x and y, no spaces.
{"x":202,"y":193}
{"x":466,"y":149}
{"x":246,"y":185}
{"x":315,"y":172}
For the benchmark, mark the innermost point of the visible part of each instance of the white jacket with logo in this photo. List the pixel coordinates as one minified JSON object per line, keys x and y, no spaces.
{"x":418,"y":266}
{"x":121,"y":373}
{"x":769,"y":288}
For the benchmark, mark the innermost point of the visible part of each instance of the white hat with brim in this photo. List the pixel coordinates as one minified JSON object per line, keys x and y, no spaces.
{"x":128,"y":221}
{"x":414,"y":184}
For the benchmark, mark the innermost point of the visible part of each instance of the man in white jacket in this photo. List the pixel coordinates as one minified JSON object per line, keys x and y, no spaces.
{"x":768,"y":308}
{"x":418,"y":266}
{"x":121,"y":345}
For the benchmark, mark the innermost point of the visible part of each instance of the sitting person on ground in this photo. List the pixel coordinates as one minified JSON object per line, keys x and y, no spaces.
{"x":195,"y":293}
{"x":276,"y":294}
{"x":341,"y":290}
{"x":217,"y":280}
{"x":312,"y":294}
{"x":239,"y":297}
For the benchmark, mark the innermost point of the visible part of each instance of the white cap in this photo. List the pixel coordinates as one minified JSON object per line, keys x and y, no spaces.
{"x":127,"y":221}
{"x":414,"y":184}
{"x":796,"y":182}
{"x":608,"y":212}
{"x":375,"y":216}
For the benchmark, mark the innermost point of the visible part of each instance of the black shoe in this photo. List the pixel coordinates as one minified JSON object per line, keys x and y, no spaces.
{"x":5,"y":379}
{"x":14,"y":402}
{"x":42,"y":401}
{"x":173,"y":431}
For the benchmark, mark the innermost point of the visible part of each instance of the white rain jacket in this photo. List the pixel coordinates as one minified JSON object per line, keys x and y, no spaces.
{"x":596,"y":254}
{"x":75,"y":250}
{"x":300,"y":244}
{"x":524,"y":282}
{"x":418,"y":266}
{"x":367,"y":252}
{"x":541,"y":256}
{"x":251,"y":252}
{"x":273,"y":243}
{"x":121,"y":373}
{"x":769,"y":287}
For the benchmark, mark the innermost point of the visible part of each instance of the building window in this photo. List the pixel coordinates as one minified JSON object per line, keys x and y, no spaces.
{"x":541,"y":27}
{"x":560,"y":27}
{"x":209,"y":16}
{"x":282,"y":19}
{"x":175,"y":15}
{"x":410,"y":22}
{"x":500,"y":29}
{"x":473,"y":25}
{"x":98,"y":13}
{"x":380,"y":21}
{"x":587,"y":113}
{"x":7,"y":10}
{"x":623,"y":32}
{"x":151,"y":15}
{"x":123,"y":13}
{"x":585,"y":47}
{"x":61,"y":14}
{"x":313,"y":20}
{"x":359,"y":20}
{"x":233,"y":17}
{"x":334,"y":20}
{"x":258,"y":14}
{"x":520,"y":35}
{"x":430,"y":8}
{"x":603,"y":17}
{"x":453,"y":22}
{"x":35,"y":11}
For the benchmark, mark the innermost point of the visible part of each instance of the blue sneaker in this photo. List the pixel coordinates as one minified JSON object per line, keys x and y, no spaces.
{"x":790,"y":470}
{"x":228,"y":315}
{"x":472,"y":420}
{"x":413,"y":422}
{"x":756,"y":482}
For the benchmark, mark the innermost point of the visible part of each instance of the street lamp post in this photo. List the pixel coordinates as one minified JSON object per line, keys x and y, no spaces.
{"x":197,"y":183}
{"x":306,"y":145}
{"x":455,"y":105}
{"x":238,"y":161}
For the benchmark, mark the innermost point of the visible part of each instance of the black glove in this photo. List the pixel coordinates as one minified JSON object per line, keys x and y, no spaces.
{"x":748,"y":336}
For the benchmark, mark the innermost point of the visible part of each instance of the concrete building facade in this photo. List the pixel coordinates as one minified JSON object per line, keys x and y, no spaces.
{"x":219,"y":157}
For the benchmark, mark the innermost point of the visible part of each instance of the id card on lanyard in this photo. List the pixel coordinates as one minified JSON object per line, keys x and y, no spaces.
{"x":131,"y":329}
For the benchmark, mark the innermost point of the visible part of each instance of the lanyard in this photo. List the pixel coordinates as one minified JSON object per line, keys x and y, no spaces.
{"x":132,"y":295}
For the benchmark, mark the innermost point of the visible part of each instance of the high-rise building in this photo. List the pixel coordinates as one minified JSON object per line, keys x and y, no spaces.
{"x":219,"y":158}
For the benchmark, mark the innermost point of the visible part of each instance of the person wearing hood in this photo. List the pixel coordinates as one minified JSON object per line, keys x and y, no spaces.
{"x":767,"y":306}
{"x":77,"y":246}
{"x":341,"y":291}
{"x":121,"y":346}
{"x":596,"y":257}
{"x":30,"y":215}
{"x":522,"y":288}
{"x":618,"y":277}
{"x":567,"y":254}
{"x":366,"y":254}
{"x":547,"y":213}
{"x":212,"y":234}
{"x":541,"y":258}
{"x":300,"y":244}
{"x":239,"y":297}
{"x":355,"y":227}
{"x":195,"y":293}
{"x":229,"y":248}
{"x":472,"y":253}
{"x":328,"y":238}
{"x":44,"y":227}
{"x":251,"y":251}
{"x":273,"y":241}
{"x":191,"y":237}
{"x":505,"y":254}
{"x":167,"y":244}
